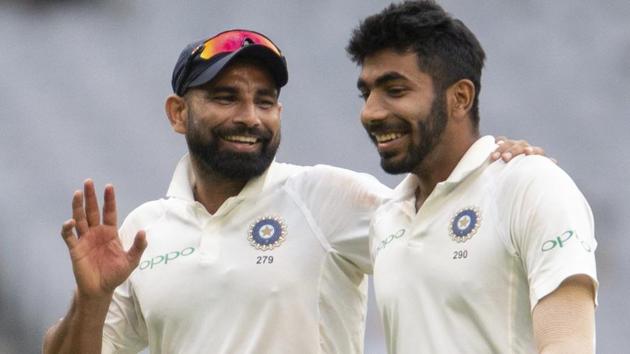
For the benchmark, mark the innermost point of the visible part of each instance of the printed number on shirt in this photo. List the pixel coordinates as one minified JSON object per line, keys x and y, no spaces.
{"x":264,"y":259}
{"x":461,"y":254}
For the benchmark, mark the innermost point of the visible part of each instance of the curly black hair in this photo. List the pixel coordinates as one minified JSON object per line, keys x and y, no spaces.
{"x":446,"y":49}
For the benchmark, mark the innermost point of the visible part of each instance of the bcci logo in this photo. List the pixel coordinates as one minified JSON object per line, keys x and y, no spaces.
{"x":464,"y":224}
{"x":267,"y":233}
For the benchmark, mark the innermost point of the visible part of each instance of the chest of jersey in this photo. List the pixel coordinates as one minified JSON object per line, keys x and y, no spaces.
{"x":456,"y":250}
{"x":449,"y":266}
{"x":251,"y":257}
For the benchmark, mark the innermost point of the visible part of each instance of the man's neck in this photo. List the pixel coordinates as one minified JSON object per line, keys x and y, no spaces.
{"x":212,"y":189}
{"x":212,"y":194}
{"x":440,"y":163}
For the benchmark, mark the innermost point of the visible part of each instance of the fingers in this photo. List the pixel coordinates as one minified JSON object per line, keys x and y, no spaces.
{"x":499,"y":140}
{"x":513,"y":148}
{"x":85,"y":211}
{"x":91,"y":204}
{"x":139,"y":245}
{"x":66,"y":232}
{"x":509,"y":149}
{"x":78,"y":213}
{"x":504,"y":150}
{"x":497,"y":155}
{"x":109,"y":207}
{"x":534,"y":150}
{"x":522,"y":147}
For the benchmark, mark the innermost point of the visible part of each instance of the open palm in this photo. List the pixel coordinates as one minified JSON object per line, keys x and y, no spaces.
{"x":99,"y":260}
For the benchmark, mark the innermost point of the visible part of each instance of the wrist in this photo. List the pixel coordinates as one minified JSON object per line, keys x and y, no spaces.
{"x":90,"y":304}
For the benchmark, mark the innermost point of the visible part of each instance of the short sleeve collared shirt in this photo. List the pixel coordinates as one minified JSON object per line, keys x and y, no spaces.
{"x":279,"y":268}
{"x":463,"y":273}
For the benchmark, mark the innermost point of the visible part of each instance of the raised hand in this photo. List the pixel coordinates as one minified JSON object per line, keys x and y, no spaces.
{"x":99,"y":261}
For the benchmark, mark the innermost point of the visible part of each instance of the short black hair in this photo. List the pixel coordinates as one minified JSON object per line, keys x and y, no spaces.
{"x":446,"y":49}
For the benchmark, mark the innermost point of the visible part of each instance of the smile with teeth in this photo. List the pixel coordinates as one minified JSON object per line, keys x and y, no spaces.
{"x":241,"y":139}
{"x":383,"y":138}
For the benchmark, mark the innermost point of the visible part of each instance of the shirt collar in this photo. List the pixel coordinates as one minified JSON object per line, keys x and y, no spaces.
{"x":474,"y":157}
{"x":183,"y":180}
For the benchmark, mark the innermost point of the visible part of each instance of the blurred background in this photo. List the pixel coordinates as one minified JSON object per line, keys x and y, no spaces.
{"x":83,"y":83}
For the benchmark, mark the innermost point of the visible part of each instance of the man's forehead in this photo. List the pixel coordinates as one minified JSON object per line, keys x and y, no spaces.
{"x":247,"y":66}
{"x":249,"y":72}
{"x":388,"y":65}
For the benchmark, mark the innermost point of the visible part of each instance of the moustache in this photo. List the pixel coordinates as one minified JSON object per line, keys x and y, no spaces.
{"x":259,"y":133}
{"x":380,"y":127}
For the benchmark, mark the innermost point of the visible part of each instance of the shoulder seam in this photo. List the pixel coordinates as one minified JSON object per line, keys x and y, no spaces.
{"x":309,"y":219}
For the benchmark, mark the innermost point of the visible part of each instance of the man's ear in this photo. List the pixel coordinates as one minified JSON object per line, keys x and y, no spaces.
{"x":460,"y":96}
{"x":177,"y":111}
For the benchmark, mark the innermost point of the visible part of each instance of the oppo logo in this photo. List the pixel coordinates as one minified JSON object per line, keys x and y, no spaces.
{"x":560,"y":241}
{"x":389,"y":239}
{"x":165,"y":258}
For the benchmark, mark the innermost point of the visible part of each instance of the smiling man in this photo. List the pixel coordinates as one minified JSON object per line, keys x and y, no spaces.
{"x":244,"y":255}
{"x":469,"y":255}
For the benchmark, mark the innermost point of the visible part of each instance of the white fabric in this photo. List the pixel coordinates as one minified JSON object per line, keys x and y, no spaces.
{"x":437,"y":295}
{"x":201,"y":287}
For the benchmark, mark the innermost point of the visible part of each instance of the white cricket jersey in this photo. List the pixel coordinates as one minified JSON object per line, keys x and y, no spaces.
{"x":463,"y":274}
{"x":279,"y":268}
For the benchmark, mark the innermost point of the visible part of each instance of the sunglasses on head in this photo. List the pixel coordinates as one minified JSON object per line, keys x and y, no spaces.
{"x":224,"y":42}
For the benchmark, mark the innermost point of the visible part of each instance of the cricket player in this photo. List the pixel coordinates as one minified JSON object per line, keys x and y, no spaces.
{"x":469,"y":255}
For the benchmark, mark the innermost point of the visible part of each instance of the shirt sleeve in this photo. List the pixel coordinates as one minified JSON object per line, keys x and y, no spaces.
{"x":125,"y":330}
{"x":342,"y":203}
{"x":551,"y":226}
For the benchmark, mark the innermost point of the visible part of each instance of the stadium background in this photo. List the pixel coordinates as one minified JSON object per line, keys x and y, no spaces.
{"x":82,"y":85}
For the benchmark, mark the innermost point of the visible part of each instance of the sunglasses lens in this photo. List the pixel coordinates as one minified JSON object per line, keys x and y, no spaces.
{"x":233,"y":40}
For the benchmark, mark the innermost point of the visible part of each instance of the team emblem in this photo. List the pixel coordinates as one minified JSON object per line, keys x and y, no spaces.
{"x":464,"y":224}
{"x":267,"y":233}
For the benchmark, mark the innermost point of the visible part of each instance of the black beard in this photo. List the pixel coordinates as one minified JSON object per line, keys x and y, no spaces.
{"x":429,"y":135}
{"x":229,"y":164}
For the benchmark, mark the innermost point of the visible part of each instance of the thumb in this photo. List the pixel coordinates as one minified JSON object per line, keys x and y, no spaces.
{"x":139,"y":245}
